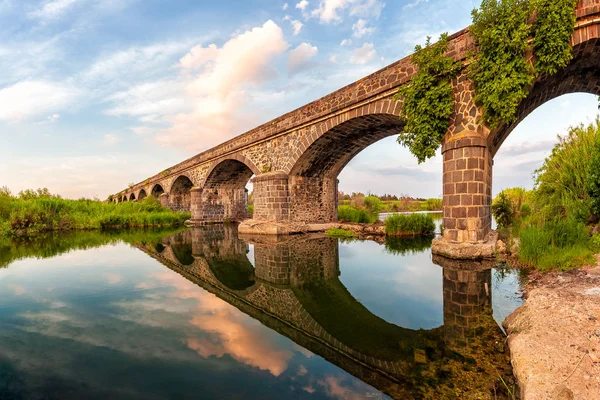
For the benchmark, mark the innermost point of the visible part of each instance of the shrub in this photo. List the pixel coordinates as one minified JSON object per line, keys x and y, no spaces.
{"x":525,"y":210}
{"x":353,"y":214}
{"x":373,"y":205}
{"x":502,"y":211}
{"x":407,"y":225}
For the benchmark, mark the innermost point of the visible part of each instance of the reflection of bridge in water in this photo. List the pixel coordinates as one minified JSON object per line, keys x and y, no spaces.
{"x":295,"y":290}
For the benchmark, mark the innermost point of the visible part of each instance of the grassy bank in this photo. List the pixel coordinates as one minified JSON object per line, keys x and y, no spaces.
{"x":555,"y":224}
{"x":36,"y":212}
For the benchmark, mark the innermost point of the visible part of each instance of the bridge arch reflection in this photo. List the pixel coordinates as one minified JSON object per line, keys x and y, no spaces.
{"x":295,"y":289}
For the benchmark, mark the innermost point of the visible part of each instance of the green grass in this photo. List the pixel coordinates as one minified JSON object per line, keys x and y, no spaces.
{"x":409,"y":225}
{"x":562,"y":245}
{"x":23,"y":216}
{"x":359,"y":215}
{"x":340,"y":233}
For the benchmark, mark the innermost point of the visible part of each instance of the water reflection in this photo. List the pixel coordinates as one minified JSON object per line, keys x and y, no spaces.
{"x":295,"y":289}
{"x":107,"y":324}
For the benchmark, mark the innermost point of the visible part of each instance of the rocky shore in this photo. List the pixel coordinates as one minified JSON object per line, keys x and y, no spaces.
{"x":554,"y":338}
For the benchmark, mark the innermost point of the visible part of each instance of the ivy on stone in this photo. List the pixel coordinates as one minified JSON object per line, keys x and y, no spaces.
{"x":500,"y":70}
{"x":554,"y":24}
{"x":428,"y":101}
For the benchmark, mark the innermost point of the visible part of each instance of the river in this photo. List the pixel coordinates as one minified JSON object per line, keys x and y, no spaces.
{"x":207,"y":313}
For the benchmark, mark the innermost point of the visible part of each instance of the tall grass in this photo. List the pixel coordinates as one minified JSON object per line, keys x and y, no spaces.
{"x":561,"y":187}
{"x":359,"y":215}
{"x":34,"y":214}
{"x":409,"y":225}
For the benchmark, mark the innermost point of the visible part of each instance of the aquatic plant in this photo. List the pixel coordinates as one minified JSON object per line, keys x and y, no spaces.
{"x":409,"y":225}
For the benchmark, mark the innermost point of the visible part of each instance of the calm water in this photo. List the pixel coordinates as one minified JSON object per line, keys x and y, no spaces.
{"x":203,"y":313}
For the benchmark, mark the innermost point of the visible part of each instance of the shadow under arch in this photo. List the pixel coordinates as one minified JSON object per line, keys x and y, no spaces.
{"x":316,"y":170}
{"x":157,"y":190}
{"x":180,"y":194}
{"x":142,"y":195}
{"x":224,"y":196}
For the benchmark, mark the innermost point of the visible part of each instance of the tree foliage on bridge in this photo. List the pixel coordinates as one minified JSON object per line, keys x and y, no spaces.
{"x":502,"y":70}
{"x":518,"y":41}
{"x":428,"y":100}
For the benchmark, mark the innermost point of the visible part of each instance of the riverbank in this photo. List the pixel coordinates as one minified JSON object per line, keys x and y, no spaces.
{"x":554,"y":338}
{"x":38,"y":212}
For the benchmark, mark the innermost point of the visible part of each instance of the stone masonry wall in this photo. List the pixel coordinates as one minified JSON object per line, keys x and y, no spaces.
{"x":271,"y":197}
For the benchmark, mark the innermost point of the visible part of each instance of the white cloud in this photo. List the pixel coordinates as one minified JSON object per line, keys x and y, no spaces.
{"x":285,"y":6}
{"x":199,"y":56}
{"x":302,"y":5}
{"x":361,"y":29}
{"x":297,"y":25}
{"x":333,"y":59}
{"x":215,"y":94}
{"x":28,"y":99}
{"x":50,"y":119}
{"x":329,"y":10}
{"x":363,"y":54}
{"x":415,"y":3}
{"x":367,"y":8}
{"x":346,"y":42}
{"x":151,"y":102}
{"x":299,"y":58}
{"x":53,"y":9}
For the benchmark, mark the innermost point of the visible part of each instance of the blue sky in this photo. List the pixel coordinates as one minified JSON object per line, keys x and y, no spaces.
{"x":95,"y":94}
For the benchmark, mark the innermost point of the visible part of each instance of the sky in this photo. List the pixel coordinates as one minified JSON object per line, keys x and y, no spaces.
{"x":97,"y":94}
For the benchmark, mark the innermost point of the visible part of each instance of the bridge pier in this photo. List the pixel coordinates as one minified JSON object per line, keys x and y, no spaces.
{"x":271,"y":197}
{"x":218,"y":205}
{"x":164,"y":200}
{"x":467,"y":200}
{"x":313,"y":199}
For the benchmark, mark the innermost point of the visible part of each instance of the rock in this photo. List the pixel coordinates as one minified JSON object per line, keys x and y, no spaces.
{"x":500,"y":247}
{"x":561,"y":392}
{"x":514,"y":249}
{"x":465,"y":251}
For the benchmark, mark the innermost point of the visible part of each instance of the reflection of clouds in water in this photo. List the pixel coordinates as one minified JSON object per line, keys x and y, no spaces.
{"x":334,"y":388}
{"x":17,"y":289}
{"x":113,"y":279}
{"x":419,"y":280}
{"x":229,"y":331}
{"x":345,"y":251}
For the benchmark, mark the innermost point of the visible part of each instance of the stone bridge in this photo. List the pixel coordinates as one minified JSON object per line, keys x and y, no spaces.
{"x":297,"y":157}
{"x":294,"y":288}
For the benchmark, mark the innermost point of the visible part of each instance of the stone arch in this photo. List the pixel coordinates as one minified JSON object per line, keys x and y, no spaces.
{"x":582,"y":75}
{"x":223,"y":194}
{"x":142,"y":195}
{"x":132,"y":197}
{"x":180,"y":194}
{"x":157,"y":190}
{"x":231,"y":168}
{"x":323,"y":154}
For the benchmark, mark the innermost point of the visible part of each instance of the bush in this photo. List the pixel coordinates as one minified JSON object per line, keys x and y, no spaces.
{"x":409,"y":225}
{"x":353,"y":214}
{"x":373,"y":205}
{"x":502,"y":211}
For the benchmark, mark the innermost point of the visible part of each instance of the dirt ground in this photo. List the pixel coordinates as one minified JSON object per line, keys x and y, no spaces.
{"x":554,"y":338}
